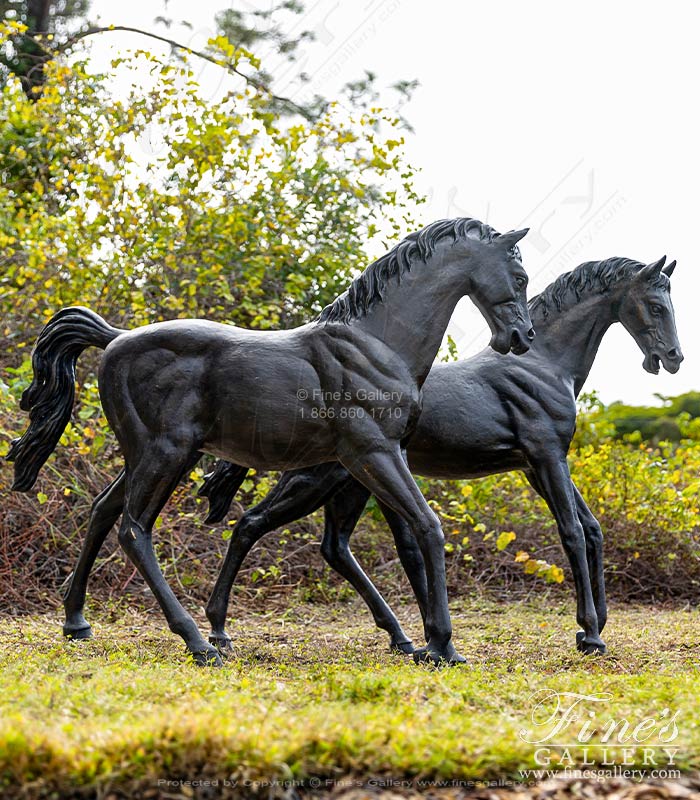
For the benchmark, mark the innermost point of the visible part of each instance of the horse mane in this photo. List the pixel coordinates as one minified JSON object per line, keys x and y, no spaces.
{"x":590,"y":277}
{"x":369,"y":287}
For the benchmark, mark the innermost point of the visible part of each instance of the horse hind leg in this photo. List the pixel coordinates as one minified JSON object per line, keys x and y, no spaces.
{"x":296,"y":494}
{"x":106,"y":510}
{"x":149,"y":484}
{"x":343,"y":512}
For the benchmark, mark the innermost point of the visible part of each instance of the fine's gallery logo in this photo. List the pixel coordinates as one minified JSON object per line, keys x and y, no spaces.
{"x":578,"y":730}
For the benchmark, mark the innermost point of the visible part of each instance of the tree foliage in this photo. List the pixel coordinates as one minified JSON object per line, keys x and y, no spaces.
{"x":675,"y":419}
{"x":159,"y":204}
{"x":22,"y":54}
{"x":52,"y":28}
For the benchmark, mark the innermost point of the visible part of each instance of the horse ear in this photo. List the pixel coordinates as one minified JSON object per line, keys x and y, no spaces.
{"x":668,"y":269}
{"x":510,"y":239}
{"x":652,"y":271}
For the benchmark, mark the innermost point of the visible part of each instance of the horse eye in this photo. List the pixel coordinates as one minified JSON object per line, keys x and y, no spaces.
{"x":656,"y":310}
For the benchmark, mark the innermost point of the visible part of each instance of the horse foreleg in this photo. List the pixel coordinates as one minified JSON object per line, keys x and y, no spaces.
{"x":552,"y":480}
{"x":410,"y":556}
{"x":594,"y":552}
{"x":386,"y":475}
{"x":343,"y":511}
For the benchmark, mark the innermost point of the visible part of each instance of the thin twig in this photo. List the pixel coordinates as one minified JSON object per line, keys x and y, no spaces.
{"x":254,"y":82}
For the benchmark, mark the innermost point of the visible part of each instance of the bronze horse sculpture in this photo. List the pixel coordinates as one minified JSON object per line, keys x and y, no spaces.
{"x":483,"y":415}
{"x":345,"y":388}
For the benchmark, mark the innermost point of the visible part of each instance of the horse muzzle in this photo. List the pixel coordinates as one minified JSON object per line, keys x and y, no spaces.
{"x":670,"y":359}
{"x":520,"y":343}
{"x":512,"y":341}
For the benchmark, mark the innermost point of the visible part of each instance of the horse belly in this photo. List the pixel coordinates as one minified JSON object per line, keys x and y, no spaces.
{"x":267,"y":427}
{"x":464,"y":442}
{"x":463,"y":464}
{"x":286,"y":407}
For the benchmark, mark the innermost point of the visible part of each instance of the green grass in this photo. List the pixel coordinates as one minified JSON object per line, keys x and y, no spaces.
{"x":314,"y":692}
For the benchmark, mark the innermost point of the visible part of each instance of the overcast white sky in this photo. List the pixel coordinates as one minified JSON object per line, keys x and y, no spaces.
{"x":579,"y":120}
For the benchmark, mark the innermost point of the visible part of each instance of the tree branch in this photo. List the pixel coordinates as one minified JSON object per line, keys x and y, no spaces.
{"x":251,"y":81}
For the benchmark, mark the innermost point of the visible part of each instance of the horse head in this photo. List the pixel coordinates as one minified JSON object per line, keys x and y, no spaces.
{"x":498,"y":288}
{"x":647,"y":313}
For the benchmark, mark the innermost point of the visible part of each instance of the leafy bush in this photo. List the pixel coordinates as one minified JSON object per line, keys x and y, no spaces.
{"x":667,"y":422}
{"x":162,"y":204}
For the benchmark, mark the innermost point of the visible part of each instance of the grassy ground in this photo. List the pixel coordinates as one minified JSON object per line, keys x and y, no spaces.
{"x":313,"y":694}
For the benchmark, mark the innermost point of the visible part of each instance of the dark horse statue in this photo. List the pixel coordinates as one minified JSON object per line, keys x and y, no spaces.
{"x":480,"y":416}
{"x":345,"y":388}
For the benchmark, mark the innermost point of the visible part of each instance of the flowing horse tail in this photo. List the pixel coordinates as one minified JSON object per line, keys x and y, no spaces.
{"x":220,"y":486}
{"x":49,"y":398}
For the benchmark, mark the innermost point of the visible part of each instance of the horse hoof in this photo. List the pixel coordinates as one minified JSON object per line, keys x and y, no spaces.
{"x":208,"y":658}
{"x":405,"y":647}
{"x":447,"y":656}
{"x":589,"y":647}
{"x":222,"y":643}
{"x":77,"y":632}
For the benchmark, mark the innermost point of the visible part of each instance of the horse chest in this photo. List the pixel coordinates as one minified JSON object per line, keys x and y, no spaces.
{"x":367,"y":384}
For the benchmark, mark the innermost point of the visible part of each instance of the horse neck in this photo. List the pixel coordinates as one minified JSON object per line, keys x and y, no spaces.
{"x":570,"y":338}
{"x":415,"y":312}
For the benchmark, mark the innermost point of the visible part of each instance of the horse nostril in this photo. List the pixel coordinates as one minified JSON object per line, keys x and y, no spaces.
{"x":673,"y":353}
{"x":531,"y":334}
